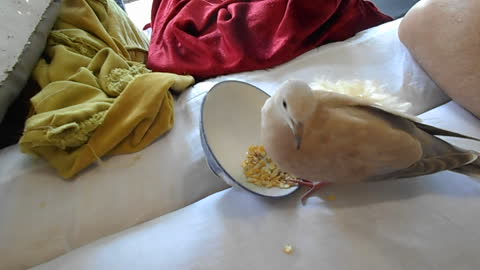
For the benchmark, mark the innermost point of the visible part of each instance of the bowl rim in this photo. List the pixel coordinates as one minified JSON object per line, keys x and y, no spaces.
{"x":204,"y":138}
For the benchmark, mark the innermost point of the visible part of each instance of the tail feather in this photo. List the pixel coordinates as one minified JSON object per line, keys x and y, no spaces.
{"x":472,"y":169}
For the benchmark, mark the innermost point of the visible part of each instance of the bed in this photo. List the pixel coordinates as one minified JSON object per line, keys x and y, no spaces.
{"x":162,"y":208}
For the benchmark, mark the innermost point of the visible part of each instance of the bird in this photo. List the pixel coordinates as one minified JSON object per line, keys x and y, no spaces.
{"x":324,"y":137}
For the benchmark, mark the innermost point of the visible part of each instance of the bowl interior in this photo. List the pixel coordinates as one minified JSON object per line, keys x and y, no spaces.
{"x":231,"y":115}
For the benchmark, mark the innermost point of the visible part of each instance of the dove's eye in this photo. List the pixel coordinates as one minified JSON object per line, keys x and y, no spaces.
{"x":284,"y":104}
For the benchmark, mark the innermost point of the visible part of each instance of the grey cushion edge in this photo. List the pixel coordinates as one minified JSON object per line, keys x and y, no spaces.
{"x":27,"y":60}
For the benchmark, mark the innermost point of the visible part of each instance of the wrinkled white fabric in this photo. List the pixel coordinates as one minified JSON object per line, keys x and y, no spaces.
{"x":42,"y":216}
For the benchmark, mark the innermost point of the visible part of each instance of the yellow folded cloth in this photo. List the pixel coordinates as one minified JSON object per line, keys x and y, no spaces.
{"x":97,"y":96}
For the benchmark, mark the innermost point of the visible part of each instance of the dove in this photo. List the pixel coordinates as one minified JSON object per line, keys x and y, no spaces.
{"x":324,"y":137}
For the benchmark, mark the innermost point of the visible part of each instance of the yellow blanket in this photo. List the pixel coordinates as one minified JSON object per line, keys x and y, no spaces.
{"x":97,"y":96}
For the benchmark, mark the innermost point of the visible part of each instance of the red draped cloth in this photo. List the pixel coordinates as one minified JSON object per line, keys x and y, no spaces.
{"x":207,"y":38}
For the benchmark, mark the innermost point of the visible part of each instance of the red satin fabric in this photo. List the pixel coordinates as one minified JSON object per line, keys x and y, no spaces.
{"x":207,"y":38}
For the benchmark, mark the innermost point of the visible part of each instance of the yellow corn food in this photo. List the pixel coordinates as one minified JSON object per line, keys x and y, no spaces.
{"x":262,"y":171}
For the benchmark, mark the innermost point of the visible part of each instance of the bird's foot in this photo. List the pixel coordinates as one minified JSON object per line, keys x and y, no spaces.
{"x":313,"y":187}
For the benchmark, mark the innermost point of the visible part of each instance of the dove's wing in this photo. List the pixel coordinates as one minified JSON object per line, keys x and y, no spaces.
{"x":438,"y":155}
{"x":427,"y":128}
{"x":452,"y":161}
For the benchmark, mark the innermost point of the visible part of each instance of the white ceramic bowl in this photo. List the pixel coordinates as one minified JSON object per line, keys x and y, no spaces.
{"x":230,"y":123}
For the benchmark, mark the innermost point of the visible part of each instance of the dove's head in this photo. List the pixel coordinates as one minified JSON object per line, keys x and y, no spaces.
{"x":296,"y":103}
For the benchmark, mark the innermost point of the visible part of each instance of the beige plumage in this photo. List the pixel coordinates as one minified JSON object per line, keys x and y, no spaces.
{"x":327,"y":137}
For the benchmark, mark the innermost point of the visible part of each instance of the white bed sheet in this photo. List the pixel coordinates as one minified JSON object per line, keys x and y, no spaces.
{"x":423,"y":223}
{"x":42,"y":216}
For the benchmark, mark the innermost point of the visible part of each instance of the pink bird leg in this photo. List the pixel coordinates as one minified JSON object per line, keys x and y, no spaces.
{"x":313,"y":187}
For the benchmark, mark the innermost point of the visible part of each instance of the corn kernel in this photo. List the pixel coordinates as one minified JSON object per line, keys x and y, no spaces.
{"x":331,"y":197}
{"x":288,"y":249}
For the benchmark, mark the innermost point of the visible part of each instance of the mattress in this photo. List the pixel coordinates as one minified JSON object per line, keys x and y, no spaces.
{"x":43,"y":216}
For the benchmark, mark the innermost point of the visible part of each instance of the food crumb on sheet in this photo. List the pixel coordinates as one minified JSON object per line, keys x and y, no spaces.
{"x":331,"y":197}
{"x":288,"y":249}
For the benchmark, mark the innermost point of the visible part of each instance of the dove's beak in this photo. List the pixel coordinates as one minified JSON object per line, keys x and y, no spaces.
{"x":297,"y":129}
